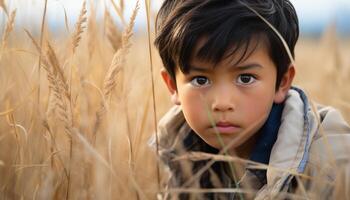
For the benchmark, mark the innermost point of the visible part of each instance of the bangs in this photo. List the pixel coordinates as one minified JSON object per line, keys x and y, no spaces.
{"x":223,"y":36}
{"x":214,"y":30}
{"x":235,"y":50}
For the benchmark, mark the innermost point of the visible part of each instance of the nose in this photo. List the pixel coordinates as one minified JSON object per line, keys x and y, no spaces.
{"x":223,"y":99}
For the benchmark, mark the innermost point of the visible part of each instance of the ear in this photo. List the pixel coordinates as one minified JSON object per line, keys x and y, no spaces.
{"x":170,"y":83}
{"x":285,"y":85}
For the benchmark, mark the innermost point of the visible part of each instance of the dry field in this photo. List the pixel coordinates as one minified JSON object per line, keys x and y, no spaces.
{"x":76,"y":111}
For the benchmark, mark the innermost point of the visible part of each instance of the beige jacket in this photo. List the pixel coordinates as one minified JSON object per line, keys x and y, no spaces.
{"x":303,"y":145}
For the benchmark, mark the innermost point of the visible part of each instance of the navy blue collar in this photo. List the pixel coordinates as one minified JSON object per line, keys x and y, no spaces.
{"x":267,"y":135}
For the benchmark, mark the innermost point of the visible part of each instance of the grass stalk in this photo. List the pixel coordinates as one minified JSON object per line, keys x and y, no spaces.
{"x":155,"y":118}
{"x":3,"y":6}
{"x":8,"y":29}
{"x":42,"y":33}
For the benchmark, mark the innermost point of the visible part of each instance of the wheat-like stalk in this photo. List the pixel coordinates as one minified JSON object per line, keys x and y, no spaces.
{"x":42,"y":31}
{"x":113,"y":34}
{"x":3,"y":6}
{"x":122,"y":6}
{"x":115,"y":67}
{"x":53,"y":147}
{"x":8,"y":29}
{"x":36,"y":45}
{"x":92,"y":34}
{"x":79,"y":27}
{"x":119,"y":57}
{"x":52,"y":60}
{"x":119,"y":10}
{"x":118,"y":62}
{"x":11,"y":122}
{"x":65,"y":18}
{"x":58,"y":85}
{"x":43,"y":62}
{"x":60,"y":97}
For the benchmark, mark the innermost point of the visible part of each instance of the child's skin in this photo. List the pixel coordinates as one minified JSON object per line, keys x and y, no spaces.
{"x":239,"y":96}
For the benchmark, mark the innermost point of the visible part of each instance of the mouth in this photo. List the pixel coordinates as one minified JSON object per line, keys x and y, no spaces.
{"x":226,"y":128}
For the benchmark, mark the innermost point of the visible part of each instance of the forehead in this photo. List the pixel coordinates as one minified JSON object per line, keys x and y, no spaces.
{"x":233,"y":55}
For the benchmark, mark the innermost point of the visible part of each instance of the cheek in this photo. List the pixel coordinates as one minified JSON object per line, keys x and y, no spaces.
{"x":193,"y":107}
{"x":258,"y":105}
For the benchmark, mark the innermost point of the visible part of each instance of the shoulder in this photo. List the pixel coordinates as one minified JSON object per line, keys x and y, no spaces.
{"x":170,"y":127}
{"x":312,"y":140}
{"x":332,"y":121}
{"x":329,"y":152}
{"x":331,"y":144}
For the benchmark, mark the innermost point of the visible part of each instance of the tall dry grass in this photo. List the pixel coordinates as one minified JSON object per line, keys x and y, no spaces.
{"x":82,"y":132}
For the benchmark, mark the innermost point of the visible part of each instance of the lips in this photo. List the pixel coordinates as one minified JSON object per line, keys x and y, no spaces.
{"x":226,"y":127}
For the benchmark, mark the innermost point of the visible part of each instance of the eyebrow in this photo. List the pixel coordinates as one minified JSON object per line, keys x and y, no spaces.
{"x":248,"y":66}
{"x":238,"y":67}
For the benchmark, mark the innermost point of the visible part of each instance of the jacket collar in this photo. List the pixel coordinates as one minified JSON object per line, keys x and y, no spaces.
{"x":290,"y":152}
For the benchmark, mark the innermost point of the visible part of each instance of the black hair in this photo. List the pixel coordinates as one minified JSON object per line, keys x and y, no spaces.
{"x":225,"y":24}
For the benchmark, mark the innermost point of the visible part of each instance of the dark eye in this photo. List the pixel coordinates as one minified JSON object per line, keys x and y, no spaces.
{"x":200,"y":81}
{"x":245,"y":79}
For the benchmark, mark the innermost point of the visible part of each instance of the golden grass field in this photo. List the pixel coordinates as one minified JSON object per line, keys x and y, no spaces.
{"x":76,"y":112}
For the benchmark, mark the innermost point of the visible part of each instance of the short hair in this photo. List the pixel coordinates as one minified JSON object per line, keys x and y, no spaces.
{"x":227,"y":25}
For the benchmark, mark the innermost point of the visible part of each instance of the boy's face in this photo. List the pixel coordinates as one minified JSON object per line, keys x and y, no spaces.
{"x":238,"y":98}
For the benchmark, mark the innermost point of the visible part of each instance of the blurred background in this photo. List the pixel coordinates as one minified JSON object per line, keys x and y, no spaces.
{"x":54,"y":81}
{"x":314,"y":15}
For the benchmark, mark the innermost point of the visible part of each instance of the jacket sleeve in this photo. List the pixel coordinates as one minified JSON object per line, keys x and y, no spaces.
{"x":332,"y":141}
{"x":329,"y":162}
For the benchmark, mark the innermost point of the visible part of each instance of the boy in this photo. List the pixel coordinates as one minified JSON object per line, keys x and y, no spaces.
{"x":230,"y":77}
